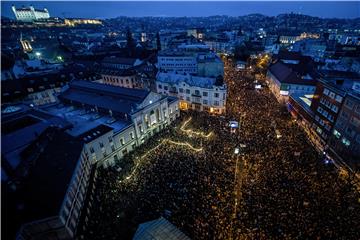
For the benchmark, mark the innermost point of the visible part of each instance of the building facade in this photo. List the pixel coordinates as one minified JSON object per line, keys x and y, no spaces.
{"x":196,"y":93}
{"x":344,"y":139}
{"x":93,"y":125}
{"x":283,"y":81}
{"x":326,"y":104}
{"x":30,"y":14}
{"x":125,"y":78}
{"x":192,"y":59}
{"x":134,"y":116}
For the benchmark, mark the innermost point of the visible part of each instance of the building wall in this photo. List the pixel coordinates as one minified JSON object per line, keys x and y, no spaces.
{"x":326,"y":105}
{"x":63,"y":226}
{"x":202,"y":64}
{"x":121,"y":81}
{"x":212,"y":100}
{"x":111,"y":147}
{"x":345,"y":136}
{"x":44,"y":97}
{"x":76,"y":193}
{"x":282,"y":91}
{"x":211,"y":69}
{"x":180,"y":64}
{"x":152,"y":119}
{"x":30,"y":15}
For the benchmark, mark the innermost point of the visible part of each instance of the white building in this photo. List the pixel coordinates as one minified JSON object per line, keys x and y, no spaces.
{"x":197,"y":93}
{"x":30,"y":14}
{"x":93,"y":124}
{"x":132,"y":116}
{"x":121,"y":78}
{"x":193,"y":59}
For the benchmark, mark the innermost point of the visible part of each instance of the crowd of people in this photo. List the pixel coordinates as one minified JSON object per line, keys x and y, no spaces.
{"x":274,"y":188}
{"x":288,"y":191}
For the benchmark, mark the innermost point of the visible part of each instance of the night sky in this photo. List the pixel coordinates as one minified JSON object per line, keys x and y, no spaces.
{"x":88,"y":9}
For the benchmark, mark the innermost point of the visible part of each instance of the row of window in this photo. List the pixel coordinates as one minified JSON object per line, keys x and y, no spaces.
{"x":122,"y":142}
{"x":178,"y":65}
{"x":351,"y":105}
{"x":77,"y":194}
{"x":321,"y":132}
{"x":187,"y":91}
{"x":176,"y":59}
{"x":344,"y":140}
{"x":322,"y":123}
{"x":205,"y":102}
{"x":332,"y":95}
{"x":325,"y":114}
{"x":329,"y":105}
{"x":117,"y":80}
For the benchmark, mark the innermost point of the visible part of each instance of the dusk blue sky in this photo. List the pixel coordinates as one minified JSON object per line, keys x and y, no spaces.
{"x":90,"y":9}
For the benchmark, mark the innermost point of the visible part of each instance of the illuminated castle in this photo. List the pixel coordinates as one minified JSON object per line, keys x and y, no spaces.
{"x":30,"y":14}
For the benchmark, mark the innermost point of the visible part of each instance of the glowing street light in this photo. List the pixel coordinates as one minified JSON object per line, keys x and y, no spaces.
{"x":38,"y":54}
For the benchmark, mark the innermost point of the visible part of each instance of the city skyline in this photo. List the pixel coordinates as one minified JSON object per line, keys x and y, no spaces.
{"x":322,"y":9}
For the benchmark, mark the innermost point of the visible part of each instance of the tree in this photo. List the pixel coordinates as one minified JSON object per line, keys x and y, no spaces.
{"x":158,"y":42}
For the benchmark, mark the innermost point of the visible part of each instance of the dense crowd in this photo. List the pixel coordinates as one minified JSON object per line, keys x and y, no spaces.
{"x":283,"y":188}
{"x":288,"y":190}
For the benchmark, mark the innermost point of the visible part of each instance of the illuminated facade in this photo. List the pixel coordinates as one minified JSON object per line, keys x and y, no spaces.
{"x":74,"y":22}
{"x":196,"y":93}
{"x":30,"y":14}
{"x":133,"y":115}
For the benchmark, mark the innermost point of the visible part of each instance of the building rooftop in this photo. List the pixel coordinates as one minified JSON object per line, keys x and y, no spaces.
{"x":171,"y":99}
{"x":83,"y":121}
{"x":94,"y":133}
{"x":22,"y":127}
{"x":119,"y":60}
{"x":174,"y":78}
{"x":116,"y":99}
{"x":304,"y":100}
{"x":159,"y":229}
{"x":115,"y":72}
{"x":286,"y":74}
{"x":41,"y":193}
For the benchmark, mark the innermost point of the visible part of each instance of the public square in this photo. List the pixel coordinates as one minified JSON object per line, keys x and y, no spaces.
{"x":277,"y":186}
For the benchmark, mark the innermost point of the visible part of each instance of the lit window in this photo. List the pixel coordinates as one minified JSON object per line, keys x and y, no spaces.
{"x":337,"y":134}
{"x":345,"y":142}
{"x":326,"y":91}
{"x":338,"y":98}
